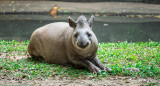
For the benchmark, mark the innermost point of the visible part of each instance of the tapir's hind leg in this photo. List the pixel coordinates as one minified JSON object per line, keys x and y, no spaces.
{"x":34,"y":54}
{"x":40,"y":58}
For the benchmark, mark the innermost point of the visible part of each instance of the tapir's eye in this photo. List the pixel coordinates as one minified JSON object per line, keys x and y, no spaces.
{"x":88,"y":34}
{"x":76,"y":35}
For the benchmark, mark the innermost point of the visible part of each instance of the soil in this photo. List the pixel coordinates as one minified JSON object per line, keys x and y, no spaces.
{"x":58,"y":81}
{"x":109,"y":81}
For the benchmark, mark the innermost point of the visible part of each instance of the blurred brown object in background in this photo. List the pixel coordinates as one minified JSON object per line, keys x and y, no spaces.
{"x":54,"y":11}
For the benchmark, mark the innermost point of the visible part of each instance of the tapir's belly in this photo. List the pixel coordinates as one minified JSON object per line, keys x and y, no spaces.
{"x":56,"y":54}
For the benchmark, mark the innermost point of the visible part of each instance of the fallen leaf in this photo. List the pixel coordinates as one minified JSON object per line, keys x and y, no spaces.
{"x":127,"y":82}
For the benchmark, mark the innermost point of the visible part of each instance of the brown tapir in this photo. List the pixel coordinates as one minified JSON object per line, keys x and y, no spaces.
{"x":64,"y":43}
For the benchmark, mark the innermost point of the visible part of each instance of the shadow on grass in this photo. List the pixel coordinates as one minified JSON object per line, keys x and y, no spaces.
{"x":68,"y":70}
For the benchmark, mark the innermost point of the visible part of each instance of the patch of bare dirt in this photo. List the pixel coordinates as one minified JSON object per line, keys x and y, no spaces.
{"x":14,"y":55}
{"x":109,"y":81}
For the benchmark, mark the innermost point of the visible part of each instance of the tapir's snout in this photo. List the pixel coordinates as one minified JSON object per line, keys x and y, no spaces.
{"x":82,"y":45}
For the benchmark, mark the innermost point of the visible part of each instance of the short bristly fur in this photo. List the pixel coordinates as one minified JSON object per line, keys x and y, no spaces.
{"x":64,"y":43}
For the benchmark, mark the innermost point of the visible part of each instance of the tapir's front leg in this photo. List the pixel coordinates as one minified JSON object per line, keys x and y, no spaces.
{"x":86,"y":63}
{"x":96,"y":61}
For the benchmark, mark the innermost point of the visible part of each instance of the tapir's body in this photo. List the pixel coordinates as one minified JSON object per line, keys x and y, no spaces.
{"x":61,"y":43}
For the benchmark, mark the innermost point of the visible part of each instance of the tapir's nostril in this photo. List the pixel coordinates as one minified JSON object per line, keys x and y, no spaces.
{"x":82,"y":45}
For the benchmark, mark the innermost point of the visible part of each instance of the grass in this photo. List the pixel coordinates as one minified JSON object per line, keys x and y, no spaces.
{"x":144,"y":56}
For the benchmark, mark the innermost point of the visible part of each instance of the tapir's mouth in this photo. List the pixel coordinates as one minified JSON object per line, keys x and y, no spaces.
{"x":82,"y":46}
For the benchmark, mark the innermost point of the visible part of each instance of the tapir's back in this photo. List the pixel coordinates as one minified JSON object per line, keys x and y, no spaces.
{"x":48,"y":42}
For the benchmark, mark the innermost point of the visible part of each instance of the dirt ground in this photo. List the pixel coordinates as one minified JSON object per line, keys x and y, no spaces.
{"x":109,"y":81}
{"x":58,"y":81}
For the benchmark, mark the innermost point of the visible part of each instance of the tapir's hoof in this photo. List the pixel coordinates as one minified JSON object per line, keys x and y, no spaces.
{"x":95,"y":70}
{"x":109,"y":70}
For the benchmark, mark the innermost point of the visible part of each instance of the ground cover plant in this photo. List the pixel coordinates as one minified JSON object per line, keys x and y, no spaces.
{"x":141,"y":59}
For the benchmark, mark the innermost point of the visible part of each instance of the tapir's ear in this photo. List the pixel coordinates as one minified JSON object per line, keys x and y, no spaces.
{"x":90,"y":21}
{"x":72,"y":22}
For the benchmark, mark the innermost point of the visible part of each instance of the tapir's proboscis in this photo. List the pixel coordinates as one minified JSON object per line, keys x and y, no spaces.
{"x":67,"y":43}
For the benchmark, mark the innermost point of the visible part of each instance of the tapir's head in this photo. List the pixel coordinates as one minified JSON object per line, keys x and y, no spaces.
{"x":82,"y":36}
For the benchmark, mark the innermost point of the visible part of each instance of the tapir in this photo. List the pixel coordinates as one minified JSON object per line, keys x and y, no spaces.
{"x":67,"y":43}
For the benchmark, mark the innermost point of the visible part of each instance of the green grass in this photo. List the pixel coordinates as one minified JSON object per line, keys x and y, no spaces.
{"x":144,"y":56}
